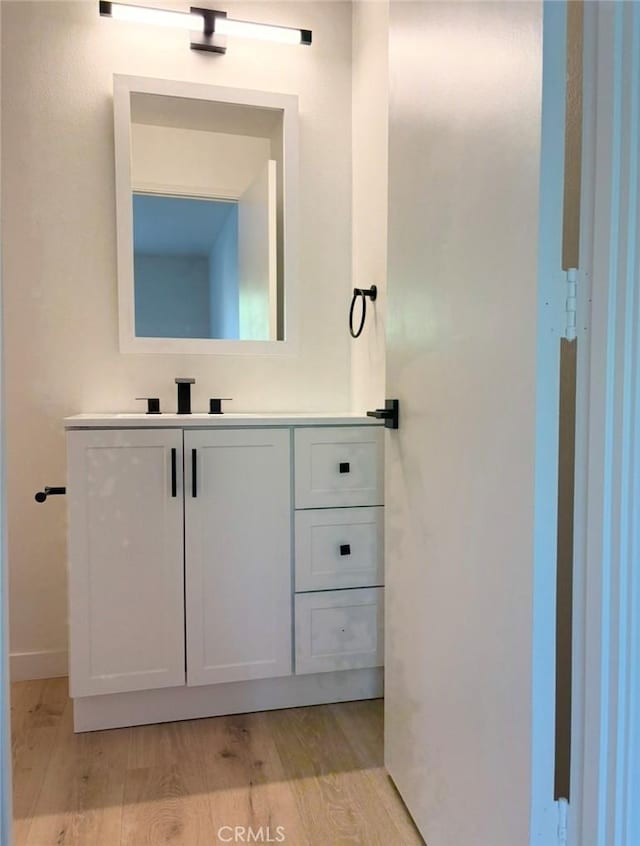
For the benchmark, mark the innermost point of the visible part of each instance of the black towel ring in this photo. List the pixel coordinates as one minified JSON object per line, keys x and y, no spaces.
{"x":372,"y":293}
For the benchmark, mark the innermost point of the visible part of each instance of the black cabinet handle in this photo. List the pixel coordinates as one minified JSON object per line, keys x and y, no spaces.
{"x":194,"y":473}
{"x":174,"y":476}
{"x":344,"y":467}
{"x":345,"y":549}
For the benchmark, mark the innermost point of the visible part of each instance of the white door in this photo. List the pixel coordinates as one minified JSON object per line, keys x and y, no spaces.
{"x":238,"y":554}
{"x":464,"y":596}
{"x":126,"y":560}
{"x":257,"y":262}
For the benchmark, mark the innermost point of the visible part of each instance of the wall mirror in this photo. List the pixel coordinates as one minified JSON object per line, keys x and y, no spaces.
{"x":206,"y":193}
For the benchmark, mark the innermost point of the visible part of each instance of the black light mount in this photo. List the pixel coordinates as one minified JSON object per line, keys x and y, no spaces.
{"x":208,"y":40}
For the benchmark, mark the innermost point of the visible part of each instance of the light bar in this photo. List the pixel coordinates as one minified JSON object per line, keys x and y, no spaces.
{"x":155,"y":17}
{"x":208,"y":26}
{"x":267,"y":32}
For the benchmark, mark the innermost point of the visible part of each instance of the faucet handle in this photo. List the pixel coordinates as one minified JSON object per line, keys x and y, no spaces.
{"x":153,"y":404}
{"x":215,"y":404}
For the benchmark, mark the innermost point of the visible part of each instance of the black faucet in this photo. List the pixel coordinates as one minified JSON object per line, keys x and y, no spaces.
{"x":184,"y":395}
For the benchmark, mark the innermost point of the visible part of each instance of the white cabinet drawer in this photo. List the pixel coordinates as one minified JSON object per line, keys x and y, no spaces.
{"x":339,"y":630}
{"x":339,"y":467}
{"x":339,"y":548}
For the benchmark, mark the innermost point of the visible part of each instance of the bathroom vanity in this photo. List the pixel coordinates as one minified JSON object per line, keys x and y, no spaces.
{"x":222,"y":564}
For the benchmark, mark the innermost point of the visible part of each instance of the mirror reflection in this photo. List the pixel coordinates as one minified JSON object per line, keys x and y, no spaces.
{"x":185,"y":267}
{"x":206,"y":205}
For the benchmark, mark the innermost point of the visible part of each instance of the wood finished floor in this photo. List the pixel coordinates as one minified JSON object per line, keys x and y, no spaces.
{"x":317,"y":772}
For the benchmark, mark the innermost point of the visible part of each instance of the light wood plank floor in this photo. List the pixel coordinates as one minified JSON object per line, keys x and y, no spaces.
{"x":316,"y":772}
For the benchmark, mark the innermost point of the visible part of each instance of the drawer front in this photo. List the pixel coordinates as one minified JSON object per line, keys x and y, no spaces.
{"x":339,"y":630}
{"x":339,"y":548}
{"x":339,"y":467}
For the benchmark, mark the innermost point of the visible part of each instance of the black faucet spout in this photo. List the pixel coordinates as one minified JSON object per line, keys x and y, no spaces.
{"x":184,"y":395}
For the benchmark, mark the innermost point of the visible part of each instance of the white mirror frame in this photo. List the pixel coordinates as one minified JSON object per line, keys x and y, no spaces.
{"x":123,"y":87}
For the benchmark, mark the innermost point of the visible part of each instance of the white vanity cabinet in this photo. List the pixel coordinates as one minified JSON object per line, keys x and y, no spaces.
{"x":222,"y":564}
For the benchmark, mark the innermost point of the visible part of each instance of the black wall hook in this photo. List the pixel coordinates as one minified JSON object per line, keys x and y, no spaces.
{"x":372,"y":293}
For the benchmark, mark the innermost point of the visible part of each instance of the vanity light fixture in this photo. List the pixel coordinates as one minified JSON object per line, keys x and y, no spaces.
{"x":209,"y":27}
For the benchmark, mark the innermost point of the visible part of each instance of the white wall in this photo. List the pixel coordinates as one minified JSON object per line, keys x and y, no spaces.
{"x":219,"y":165}
{"x":58,"y":216}
{"x":370,"y":119}
{"x":172,"y":296}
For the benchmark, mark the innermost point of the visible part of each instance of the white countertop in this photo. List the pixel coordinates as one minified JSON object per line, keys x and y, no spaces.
{"x":189,"y":421}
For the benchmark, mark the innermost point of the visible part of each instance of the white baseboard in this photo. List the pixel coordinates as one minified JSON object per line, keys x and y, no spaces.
{"x":136,"y":708}
{"x":47,"y":664}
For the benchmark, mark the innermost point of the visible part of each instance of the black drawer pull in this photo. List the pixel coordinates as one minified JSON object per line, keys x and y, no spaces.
{"x":345,"y":549}
{"x":345,"y":467}
{"x":194,"y":473}
{"x":174,"y":477}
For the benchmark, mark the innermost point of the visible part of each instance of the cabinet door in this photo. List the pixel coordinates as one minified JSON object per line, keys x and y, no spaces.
{"x":238,"y":555}
{"x":126,"y":573}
